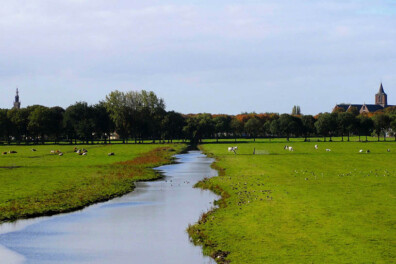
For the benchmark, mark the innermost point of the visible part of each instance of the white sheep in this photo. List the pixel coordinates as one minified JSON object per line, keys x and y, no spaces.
{"x":328,"y":150}
{"x":316,"y":146}
{"x":291,"y":149}
{"x":361,"y":151}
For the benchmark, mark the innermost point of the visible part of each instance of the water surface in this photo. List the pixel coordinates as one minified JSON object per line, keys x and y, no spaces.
{"x":145,"y":226}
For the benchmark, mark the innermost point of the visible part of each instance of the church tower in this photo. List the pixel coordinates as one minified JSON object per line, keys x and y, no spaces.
{"x":381,"y":98}
{"x":17,"y":104}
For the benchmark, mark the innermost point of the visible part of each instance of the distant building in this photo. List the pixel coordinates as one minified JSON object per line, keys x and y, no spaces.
{"x":17,"y":104}
{"x":381,"y":102}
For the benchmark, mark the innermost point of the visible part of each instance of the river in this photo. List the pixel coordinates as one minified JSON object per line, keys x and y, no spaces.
{"x":147,"y":225}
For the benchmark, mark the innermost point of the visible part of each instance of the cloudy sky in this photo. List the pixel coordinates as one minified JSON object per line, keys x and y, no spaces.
{"x":222,"y":56}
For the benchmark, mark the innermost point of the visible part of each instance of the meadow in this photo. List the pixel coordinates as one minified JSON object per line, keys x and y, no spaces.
{"x":304,"y":206}
{"x":35,"y":183}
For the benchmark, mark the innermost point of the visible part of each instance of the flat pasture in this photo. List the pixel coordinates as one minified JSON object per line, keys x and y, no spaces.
{"x":34,"y":183}
{"x":303,"y":206}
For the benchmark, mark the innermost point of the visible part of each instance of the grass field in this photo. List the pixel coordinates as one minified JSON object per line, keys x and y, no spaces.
{"x":41,"y":183}
{"x":305,"y":206}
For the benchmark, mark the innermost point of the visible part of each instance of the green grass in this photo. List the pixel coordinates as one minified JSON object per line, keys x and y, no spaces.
{"x":40,"y":183}
{"x":306,"y":206}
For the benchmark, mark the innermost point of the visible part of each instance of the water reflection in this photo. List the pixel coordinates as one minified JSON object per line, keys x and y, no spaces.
{"x":145,"y":226}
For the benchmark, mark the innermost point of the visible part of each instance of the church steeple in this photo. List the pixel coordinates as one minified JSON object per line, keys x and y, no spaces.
{"x":381,"y":98}
{"x":17,"y":104}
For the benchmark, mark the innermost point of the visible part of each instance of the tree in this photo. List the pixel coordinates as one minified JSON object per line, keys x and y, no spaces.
{"x":275,"y":127}
{"x":19,"y":119}
{"x":381,"y":124}
{"x":289,"y":125}
{"x":103,"y":125}
{"x":236,"y":127}
{"x":346,"y":122}
{"x":326,"y":125}
{"x":172,"y":126}
{"x":365,"y":126}
{"x":39,"y":122}
{"x":393,"y":127}
{"x":198,"y":127}
{"x":79,"y":118}
{"x":308,"y":125}
{"x":296,"y":110}
{"x":5,"y":125}
{"x":56,"y":122}
{"x":353,"y":110}
{"x":221,"y":125}
{"x":252,"y":127}
{"x":116,"y":106}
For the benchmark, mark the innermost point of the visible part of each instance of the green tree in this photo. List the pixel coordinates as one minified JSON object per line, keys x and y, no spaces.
{"x":252,"y":127}
{"x":5,"y":125}
{"x":79,"y":117}
{"x":381,"y":124}
{"x":19,"y":119}
{"x":221,"y":125}
{"x":236,"y":128}
{"x":346,"y":123}
{"x":39,"y":122}
{"x":365,"y":126}
{"x":326,"y":125}
{"x":296,"y":110}
{"x":308,"y":125}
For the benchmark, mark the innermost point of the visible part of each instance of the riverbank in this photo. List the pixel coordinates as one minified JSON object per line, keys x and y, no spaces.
{"x":302,"y":206}
{"x":38,"y":183}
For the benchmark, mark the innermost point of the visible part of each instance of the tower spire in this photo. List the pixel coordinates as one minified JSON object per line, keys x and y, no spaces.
{"x":17,"y":104}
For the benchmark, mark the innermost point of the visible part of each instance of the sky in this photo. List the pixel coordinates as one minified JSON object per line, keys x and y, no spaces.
{"x":222,"y":56}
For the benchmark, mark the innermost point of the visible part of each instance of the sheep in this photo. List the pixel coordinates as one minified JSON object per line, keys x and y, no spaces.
{"x":316,"y":146}
{"x":235,"y":148}
{"x":388,"y":150}
{"x":361,"y":151}
{"x":84,"y":154}
{"x":286,"y":147}
{"x":111,"y":154}
{"x":60,"y":154}
{"x":291,"y":149}
{"x":52,"y":151}
{"x":328,"y":150}
{"x":78,"y":151}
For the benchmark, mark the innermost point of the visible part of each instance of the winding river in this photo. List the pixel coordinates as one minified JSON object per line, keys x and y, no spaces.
{"x":147,"y":225}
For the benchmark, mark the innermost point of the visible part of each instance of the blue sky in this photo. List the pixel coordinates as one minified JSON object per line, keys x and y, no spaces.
{"x":223,"y":57}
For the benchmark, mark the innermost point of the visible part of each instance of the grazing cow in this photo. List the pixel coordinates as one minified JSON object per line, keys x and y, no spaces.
{"x":291,"y":149}
{"x":361,"y":151}
{"x":368,"y":151}
{"x":316,"y":146}
{"x":110,"y":154}
{"x":231,"y":149}
{"x":328,"y":150}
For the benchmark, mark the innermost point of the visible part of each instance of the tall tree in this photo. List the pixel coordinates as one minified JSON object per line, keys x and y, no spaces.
{"x":381,"y":124}
{"x":252,"y":127}
{"x":236,"y":128}
{"x":365,"y":126}
{"x":308,"y":125}
{"x":326,"y":125}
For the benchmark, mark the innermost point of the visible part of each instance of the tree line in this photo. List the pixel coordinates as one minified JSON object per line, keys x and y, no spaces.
{"x":139,"y":116}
